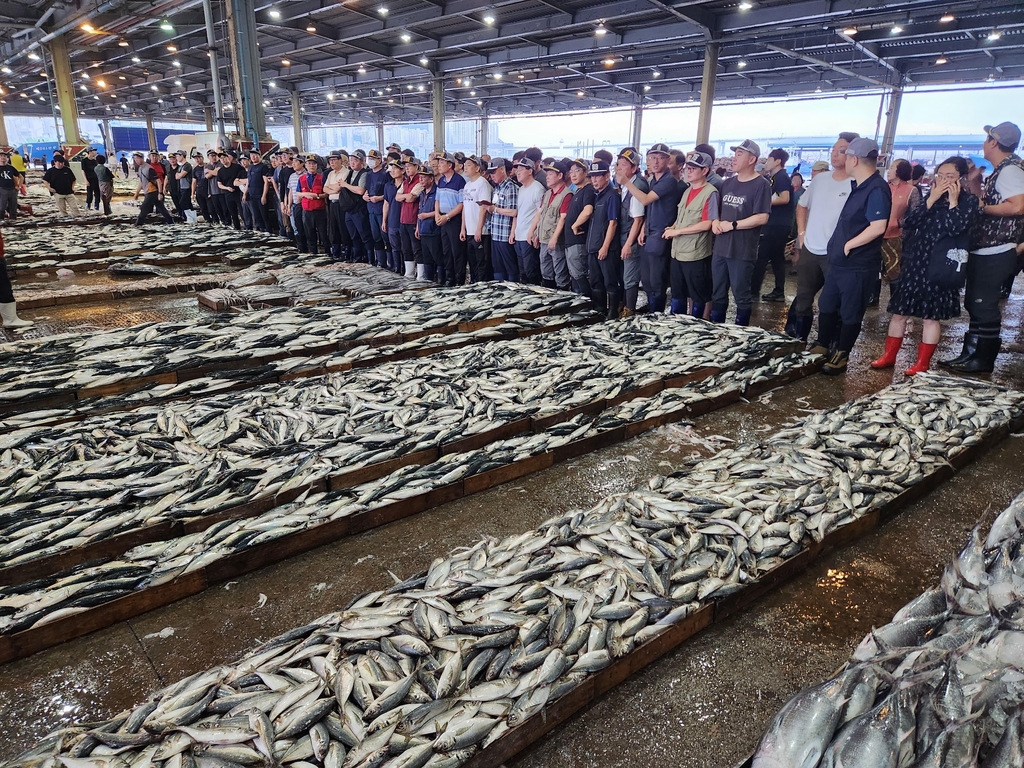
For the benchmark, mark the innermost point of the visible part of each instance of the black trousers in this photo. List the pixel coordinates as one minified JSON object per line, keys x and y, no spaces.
{"x":152,"y":202}
{"x":411,"y":250}
{"x":605,"y":281}
{"x":219,"y":209}
{"x":691,"y":279}
{"x":315,"y":224}
{"x":92,"y":192}
{"x":341,"y":240}
{"x":454,"y":251}
{"x":479,"y":257}
{"x":432,"y":256}
{"x":6,"y":292}
{"x":256,"y":213}
{"x":300,"y":229}
{"x":203,"y":201}
{"x":358,"y":221}
{"x":985,"y":278}
{"x":232,"y":202}
{"x":771,"y":249}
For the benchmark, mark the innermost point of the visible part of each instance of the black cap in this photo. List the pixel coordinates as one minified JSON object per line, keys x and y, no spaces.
{"x":559,"y":166}
{"x":360,"y":154}
{"x":426,"y":170}
{"x":580,"y":163}
{"x":496,"y":163}
{"x":58,"y":158}
{"x":473,"y":159}
{"x":659,"y":149}
{"x":412,"y":161}
{"x":699,"y":160}
{"x":598,"y":167}
{"x":631,"y":154}
{"x":230,"y":153}
{"x":375,"y":153}
{"x":460,"y":157}
{"x":255,"y":151}
{"x":447,"y":157}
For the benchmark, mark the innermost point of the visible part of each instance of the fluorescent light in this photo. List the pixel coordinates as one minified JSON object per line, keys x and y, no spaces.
{"x":123,"y":43}
{"x":310,"y":28}
{"x":850,"y":31}
{"x":88,"y":27}
{"x":189,"y":112}
{"x":601,"y":29}
{"x":172,"y":48}
{"x":6,"y":70}
{"x":136,"y":60}
{"x":361,"y":70}
{"x":746,"y":6}
{"x":741,"y":64}
{"x":383,"y":10}
{"x":275,"y":14}
{"x":406,"y":37}
{"x":947,"y":17}
{"x":896,"y":29}
{"x":286,"y":62}
{"x":609,"y":62}
{"x":995,"y":34}
{"x":33,"y":55}
{"x":488,"y":19}
{"x":166,"y":25}
{"x":941,"y":60}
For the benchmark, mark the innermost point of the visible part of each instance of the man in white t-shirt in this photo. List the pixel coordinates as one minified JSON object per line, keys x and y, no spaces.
{"x":816,"y":216}
{"x":530,"y":194}
{"x":993,"y":250}
{"x":476,"y":225}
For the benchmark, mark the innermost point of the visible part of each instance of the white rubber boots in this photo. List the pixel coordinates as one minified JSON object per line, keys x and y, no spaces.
{"x":9,"y":314}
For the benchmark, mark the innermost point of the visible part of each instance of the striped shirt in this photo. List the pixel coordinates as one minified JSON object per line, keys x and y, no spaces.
{"x":506,"y":195}
{"x":449,"y":193}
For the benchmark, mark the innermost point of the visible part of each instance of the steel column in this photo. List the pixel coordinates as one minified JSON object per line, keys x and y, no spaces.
{"x":151,"y":132}
{"x":707,"y":92}
{"x":638,"y":118}
{"x":437,"y":108}
{"x":65,"y":90}
{"x":485,"y":128}
{"x":211,"y":41}
{"x":3,"y":128}
{"x":892,"y":117}
{"x":245,"y":63}
{"x":297,"y":122}
{"x":380,"y":134}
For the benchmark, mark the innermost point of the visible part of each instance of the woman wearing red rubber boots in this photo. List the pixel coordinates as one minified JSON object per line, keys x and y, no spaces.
{"x":948,"y":213}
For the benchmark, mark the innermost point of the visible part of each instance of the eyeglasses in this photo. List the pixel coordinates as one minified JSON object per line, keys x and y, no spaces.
{"x":948,"y":176}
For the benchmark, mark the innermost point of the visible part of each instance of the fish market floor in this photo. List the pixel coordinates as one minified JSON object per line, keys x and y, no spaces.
{"x":703,"y":705}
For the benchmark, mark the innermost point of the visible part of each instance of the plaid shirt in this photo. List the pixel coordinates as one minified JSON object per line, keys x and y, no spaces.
{"x":506,"y":195}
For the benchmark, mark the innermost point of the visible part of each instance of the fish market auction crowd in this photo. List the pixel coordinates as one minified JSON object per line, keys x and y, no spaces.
{"x":673,"y":223}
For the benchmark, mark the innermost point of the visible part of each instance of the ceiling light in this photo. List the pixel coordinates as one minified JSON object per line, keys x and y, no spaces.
{"x":166,"y":25}
{"x":172,"y":48}
{"x":391,"y":101}
{"x":176,"y":82}
{"x":656,"y":73}
{"x":383,"y":10}
{"x":271,"y":117}
{"x":408,"y":87}
{"x":741,"y":64}
{"x":95,"y":97}
{"x":406,"y":37}
{"x":33,"y":56}
{"x":472,"y":93}
{"x":272,"y":84}
{"x":176,"y":63}
{"x":83,"y":87}
{"x":498,"y":75}
{"x":580,"y":94}
{"x":424,"y":60}
{"x":647,"y":87}
{"x":522,"y":77}
{"x":488,"y":19}
{"x":601,"y":29}
{"x":159,"y":101}
{"x":100,"y":83}
{"x":153,"y":88}
{"x":310,"y":28}
{"x":85,"y":75}
{"x":286,"y":62}
{"x":995,"y":34}
{"x":896,"y":29}
{"x":121,"y":77}
{"x":609,"y":62}
{"x":136,"y":60}
{"x":380,"y":93}
{"x":229,"y":106}
{"x":275,"y":14}
{"x":479,"y":103}
{"x":991,"y":77}
{"x":420,"y":88}
{"x":330,"y":97}
{"x":850,"y":31}
{"x":361,"y":70}
{"x":947,"y":17}
{"x":941,"y":60}
{"x":31,"y":101}
{"x":818,"y":89}
{"x":5,"y":70}
{"x":123,"y":43}
{"x":745,"y":6}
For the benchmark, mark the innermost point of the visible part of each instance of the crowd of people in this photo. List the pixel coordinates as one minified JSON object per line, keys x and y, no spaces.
{"x":688,"y":226}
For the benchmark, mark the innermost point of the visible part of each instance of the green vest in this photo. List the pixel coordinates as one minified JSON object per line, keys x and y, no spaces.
{"x":549,"y":214}
{"x":698,"y":246}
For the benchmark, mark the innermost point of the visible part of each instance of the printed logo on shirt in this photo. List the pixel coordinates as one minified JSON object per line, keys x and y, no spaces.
{"x":735,"y":201}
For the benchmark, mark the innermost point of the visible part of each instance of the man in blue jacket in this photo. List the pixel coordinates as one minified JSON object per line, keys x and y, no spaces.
{"x":854,"y":257}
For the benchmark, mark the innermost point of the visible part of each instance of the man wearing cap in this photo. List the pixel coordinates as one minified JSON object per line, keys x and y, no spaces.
{"x":357,"y":217}
{"x":409,"y":197}
{"x":460,"y":163}
{"x":279,"y":183}
{"x":160,"y":167}
{"x":183,"y":181}
{"x":714,"y":179}
{"x":816,"y":217}
{"x":534,"y":154}
{"x":603,"y":244}
{"x":450,"y":186}
{"x":313,"y":196}
{"x":338,"y":204}
{"x":530,"y":193}
{"x":993,"y":249}
{"x":293,"y":204}
{"x":746,"y":202}
{"x":691,"y":238}
{"x":631,"y":224}
{"x":660,"y":201}
{"x":775,"y":234}
{"x":391,"y":224}
{"x":216,"y":199}
{"x":228,"y":177}
{"x":149,"y":187}
{"x":476,"y":229}
{"x":171,"y":187}
{"x":376,"y":177}
{"x":504,"y":210}
{"x":60,"y":182}
{"x":854,"y":257}
{"x":11,"y":180}
{"x":92,"y":185}
{"x":393,"y":147}
{"x":255,"y":196}
{"x":577,"y":225}
{"x":820,"y":166}
{"x":548,"y":227}
{"x":427,"y":230}
{"x":201,"y":187}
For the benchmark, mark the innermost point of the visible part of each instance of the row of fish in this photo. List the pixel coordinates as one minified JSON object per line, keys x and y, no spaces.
{"x":442,"y":664}
{"x":941,"y":685}
{"x":70,"y":485}
{"x":38,"y":368}
{"x":295,"y":367}
{"x":35,"y":244}
{"x":50,"y":599}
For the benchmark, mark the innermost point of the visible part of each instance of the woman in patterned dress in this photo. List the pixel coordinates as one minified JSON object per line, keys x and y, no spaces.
{"x":949,"y":210}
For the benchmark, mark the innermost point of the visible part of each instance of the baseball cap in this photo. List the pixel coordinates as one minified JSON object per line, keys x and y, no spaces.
{"x":748,"y":146}
{"x":698,"y":159}
{"x":255,"y":151}
{"x":525,"y":162}
{"x":374,"y":153}
{"x":496,"y":163}
{"x":597,"y":168}
{"x":659,"y":149}
{"x":631,"y":154}
{"x":137,"y":154}
{"x":335,"y":154}
{"x":1006,"y":134}
{"x":230,"y":152}
{"x":343,"y":153}
{"x":394,"y":164}
{"x":460,"y":157}
{"x":360,"y":154}
{"x":473,"y":159}
{"x":152,"y":152}
{"x":862,"y":147}
{"x":5,"y":153}
{"x":446,"y":156}
{"x":580,"y":163}
{"x":412,"y":161}
{"x":395,"y":146}
{"x":820,"y":165}
{"x":426,"y":170}
{"x":60,"y":158}
{"x":559,"y":166}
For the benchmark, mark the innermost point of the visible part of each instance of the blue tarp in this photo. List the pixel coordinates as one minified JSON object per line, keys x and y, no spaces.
{"x":137,"y":139}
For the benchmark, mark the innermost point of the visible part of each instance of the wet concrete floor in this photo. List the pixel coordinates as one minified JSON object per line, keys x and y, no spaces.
{"x":703,"y":705}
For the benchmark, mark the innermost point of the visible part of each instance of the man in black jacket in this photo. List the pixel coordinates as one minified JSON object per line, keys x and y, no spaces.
{"x":92,"y":191}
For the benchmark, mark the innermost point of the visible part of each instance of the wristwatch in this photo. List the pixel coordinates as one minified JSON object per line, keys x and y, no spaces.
{"x":734,"y":226}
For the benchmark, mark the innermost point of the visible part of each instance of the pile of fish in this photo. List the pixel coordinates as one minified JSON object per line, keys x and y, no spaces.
{"x":338,"y":282}
{"x":941,"y":685}
{"x":71,"y":485}
{"x":53,"y":245}
{"x":442,"y":664}
{"x":37,"y":368}
{"x":150,"y":565}
{"x":292,"y":367}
